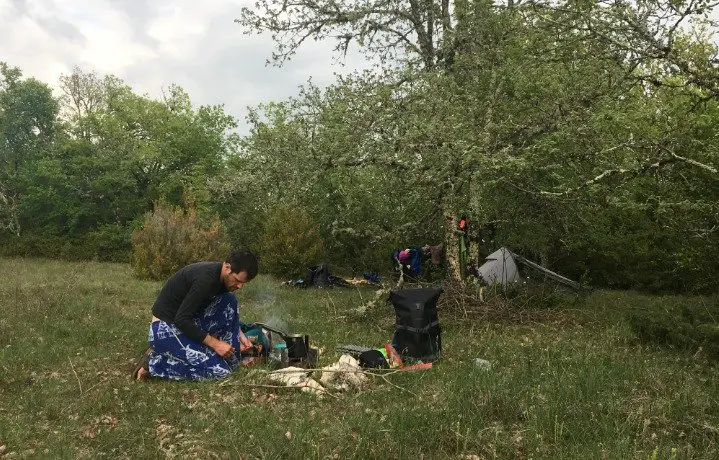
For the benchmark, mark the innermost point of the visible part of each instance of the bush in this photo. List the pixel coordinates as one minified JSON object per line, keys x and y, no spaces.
{"x":291,"y":243}
{"x":109,"y":243}
{"x":686,"y":328}
{"x":171,"y":238}
{"x":29,"y":245}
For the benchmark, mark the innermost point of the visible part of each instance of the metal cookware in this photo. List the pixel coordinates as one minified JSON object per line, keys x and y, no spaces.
{"x":298,"y":345}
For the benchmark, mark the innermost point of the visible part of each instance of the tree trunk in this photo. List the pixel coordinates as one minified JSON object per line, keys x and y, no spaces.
{"x":451,"y":246}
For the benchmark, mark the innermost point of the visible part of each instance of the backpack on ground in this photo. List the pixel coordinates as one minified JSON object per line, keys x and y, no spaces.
{"x":417,"y":332}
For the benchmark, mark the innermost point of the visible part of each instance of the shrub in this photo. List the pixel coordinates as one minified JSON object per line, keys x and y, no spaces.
{"x":109,"y":243}
{"x":171,"y":238}
{"x":291,"y":242}
{"x":683,"y":327}
{"x":38,"y":245}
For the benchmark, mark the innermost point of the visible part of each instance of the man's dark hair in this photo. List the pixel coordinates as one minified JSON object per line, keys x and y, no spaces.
{"x":242,"y":260}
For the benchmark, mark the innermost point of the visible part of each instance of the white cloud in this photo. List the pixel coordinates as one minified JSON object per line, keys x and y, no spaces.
{"x":153,"y":44}
{"x":176,"y":30}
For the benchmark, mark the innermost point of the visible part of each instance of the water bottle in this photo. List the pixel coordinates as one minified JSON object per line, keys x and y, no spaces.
{"x":278,"y":354}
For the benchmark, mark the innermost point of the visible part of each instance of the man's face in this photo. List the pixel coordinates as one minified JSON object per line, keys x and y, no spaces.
{"x":233,"y":281}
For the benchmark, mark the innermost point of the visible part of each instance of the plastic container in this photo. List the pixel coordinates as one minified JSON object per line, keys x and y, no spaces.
{"x":279,"y":353}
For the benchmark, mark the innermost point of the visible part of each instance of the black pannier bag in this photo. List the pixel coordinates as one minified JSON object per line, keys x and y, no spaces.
{"x":318,"y":276}
{"x":417,"y":333}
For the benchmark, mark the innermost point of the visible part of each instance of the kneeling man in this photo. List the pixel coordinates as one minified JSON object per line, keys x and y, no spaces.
{"x":195,"y":329}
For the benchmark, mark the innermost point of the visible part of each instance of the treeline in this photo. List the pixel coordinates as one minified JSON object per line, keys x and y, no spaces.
{"x":578,"y":134}
{"x":79,"y":172}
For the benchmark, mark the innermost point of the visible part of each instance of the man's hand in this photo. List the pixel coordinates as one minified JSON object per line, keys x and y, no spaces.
{"x":222,"y":348}
{"x":245,"y":343}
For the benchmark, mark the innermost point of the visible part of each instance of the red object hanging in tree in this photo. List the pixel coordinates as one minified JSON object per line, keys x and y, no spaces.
{"x":463,"y":224}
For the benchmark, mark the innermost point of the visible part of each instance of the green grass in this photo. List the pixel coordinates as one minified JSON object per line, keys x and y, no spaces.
{"x":568,"y":382}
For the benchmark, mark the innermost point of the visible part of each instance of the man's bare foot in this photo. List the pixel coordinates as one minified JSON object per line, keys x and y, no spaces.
{"x":142,"y":374}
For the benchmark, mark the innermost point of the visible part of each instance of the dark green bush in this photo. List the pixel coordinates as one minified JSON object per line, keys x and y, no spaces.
{"x":109,"y":243}
{"x":291,"y":242}
{"x":171,"y":238}
{"x":682,"y":327}
{"x":29,"y":245}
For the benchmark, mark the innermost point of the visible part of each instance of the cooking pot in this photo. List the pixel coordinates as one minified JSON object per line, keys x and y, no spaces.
{"x":297,"y":346}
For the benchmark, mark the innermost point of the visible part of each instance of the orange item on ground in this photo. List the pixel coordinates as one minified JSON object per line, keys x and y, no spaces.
{"x":417,"y":367}
{"x":393,"y":357}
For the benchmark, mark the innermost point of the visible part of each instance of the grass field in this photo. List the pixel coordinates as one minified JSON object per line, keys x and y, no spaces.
{"x":567,"y":381}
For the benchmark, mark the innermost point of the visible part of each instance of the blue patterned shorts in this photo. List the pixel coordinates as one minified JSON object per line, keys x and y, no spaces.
{"x":177,"y":357}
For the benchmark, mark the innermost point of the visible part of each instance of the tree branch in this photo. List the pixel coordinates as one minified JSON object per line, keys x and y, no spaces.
{"x":632,"y":172}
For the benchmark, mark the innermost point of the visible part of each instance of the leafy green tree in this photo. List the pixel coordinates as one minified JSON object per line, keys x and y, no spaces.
{"x":418,"y":33}
{"x":112,"y":154}
{"x":539,"y":126}
{"x":318,"y":150}
{"x":27,"y":127}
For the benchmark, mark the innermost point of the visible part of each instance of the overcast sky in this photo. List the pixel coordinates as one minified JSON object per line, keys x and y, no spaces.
{"x":152,"y":43}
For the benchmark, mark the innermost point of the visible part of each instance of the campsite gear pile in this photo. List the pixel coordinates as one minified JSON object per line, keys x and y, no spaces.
{"x":388,"y":358}
{"x":417,"y":336}
{"x":319,"y":276}
{"x":409,"y":260}
{"x":416,"y":343}
{"x":345,"y":374}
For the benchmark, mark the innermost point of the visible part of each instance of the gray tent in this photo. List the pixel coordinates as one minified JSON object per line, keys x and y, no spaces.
{"x":501,"y":267}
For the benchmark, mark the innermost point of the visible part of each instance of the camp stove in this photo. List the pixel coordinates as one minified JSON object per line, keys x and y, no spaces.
{"x":294,"y":349}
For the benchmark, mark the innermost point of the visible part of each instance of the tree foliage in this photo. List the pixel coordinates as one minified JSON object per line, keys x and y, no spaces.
{"x":100,"y":156}
{"x":572,"y":127}
{"x":27,"y":127}
{"x":417,"y":33}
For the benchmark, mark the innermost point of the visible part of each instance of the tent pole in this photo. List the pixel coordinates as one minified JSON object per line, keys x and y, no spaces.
{"x":551,"y":274}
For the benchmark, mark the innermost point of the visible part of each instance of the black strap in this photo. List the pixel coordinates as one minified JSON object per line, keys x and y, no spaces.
{"x":419,"y":330}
